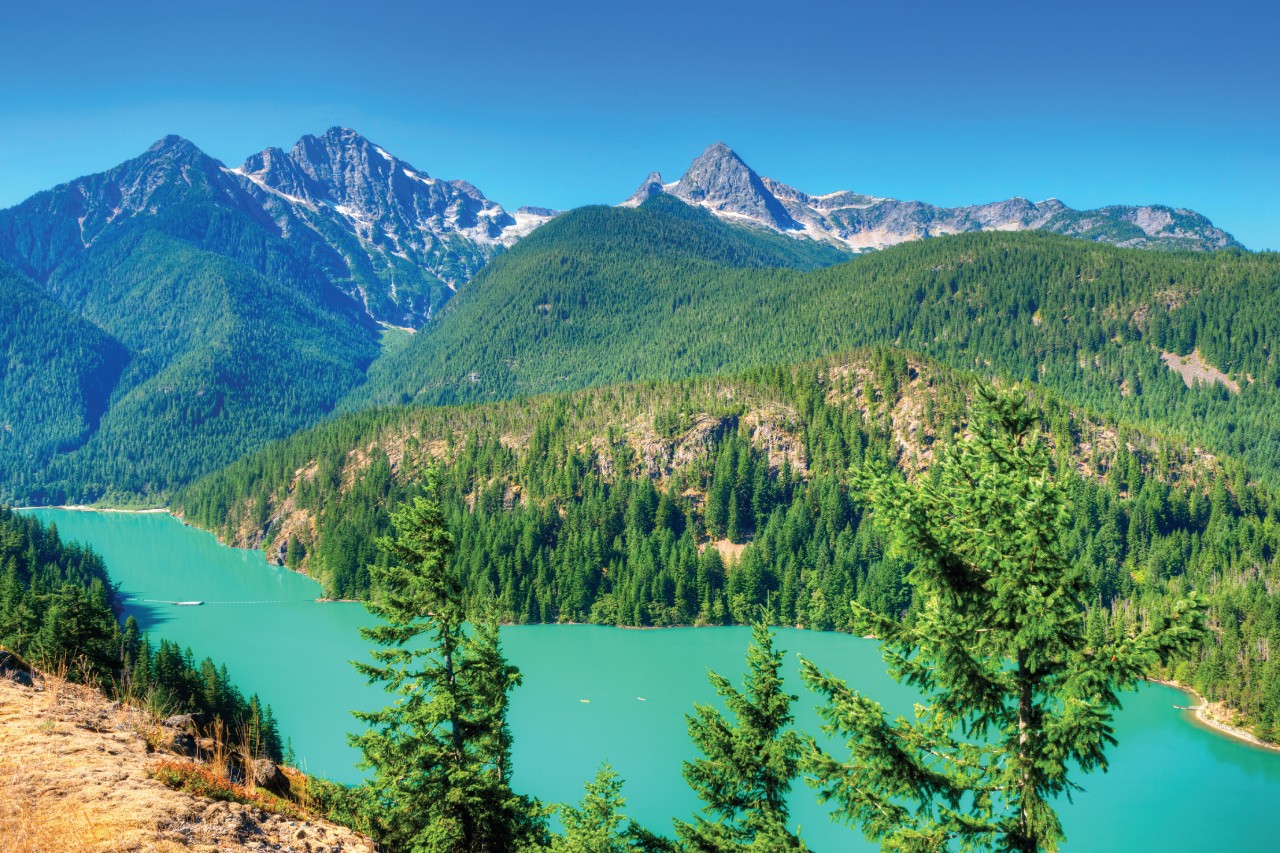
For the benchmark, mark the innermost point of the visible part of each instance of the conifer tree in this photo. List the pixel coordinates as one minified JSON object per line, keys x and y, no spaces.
{"x":748,"y":763}
{"x":598,"y":824}
{"x":440,"y":753}
{"x":1014,"y":691}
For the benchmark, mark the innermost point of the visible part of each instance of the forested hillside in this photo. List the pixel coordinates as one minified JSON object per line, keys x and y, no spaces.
{"x":662,"y":504}
{"x":56,"y":609}
{"x":611,"y":295}
{"x":211,"y":334}
{"x":57,"y":375}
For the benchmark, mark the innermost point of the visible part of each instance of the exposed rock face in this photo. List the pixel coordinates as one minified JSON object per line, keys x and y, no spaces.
{"x":267,"y":774}
{"x":387,"y":234}
{"x":652,"y":186}
{"x":403,"y":235}
{"x":721,"y":182}
{"x":181,"y":722}
{"x":13,"y":669}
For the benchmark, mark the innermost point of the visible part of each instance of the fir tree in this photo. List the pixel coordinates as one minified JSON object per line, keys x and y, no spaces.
{"x":748,"y":763}
{"x":598,"y":825}
{"x":1015,"y":693}
{"x":440,"y":754}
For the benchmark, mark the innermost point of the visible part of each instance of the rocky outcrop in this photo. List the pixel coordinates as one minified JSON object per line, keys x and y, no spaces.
{"x":408,"y":239}
{"x":721,"y":182}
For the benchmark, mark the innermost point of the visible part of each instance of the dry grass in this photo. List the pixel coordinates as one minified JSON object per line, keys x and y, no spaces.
{"x":31,"y":823}
{"x":74,"y":778}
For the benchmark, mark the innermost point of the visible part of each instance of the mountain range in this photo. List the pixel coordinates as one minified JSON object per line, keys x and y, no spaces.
{"x":722,"y":183}
{"x":173,"y":313}
{"x":400,"y":242}
{"x":390,"y":236}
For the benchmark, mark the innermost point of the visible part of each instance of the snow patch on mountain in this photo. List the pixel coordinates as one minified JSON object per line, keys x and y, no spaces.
{"x":721,"y":182}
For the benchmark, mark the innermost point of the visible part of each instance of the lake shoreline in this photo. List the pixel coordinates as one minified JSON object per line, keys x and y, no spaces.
{"x":89,"y":508}
{"x":1207,"y":716}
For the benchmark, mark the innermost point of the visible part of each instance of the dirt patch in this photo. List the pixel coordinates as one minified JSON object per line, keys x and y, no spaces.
{"x":1194,"y":370}
{"x":74,"y":774}
{"x":730,"y":552}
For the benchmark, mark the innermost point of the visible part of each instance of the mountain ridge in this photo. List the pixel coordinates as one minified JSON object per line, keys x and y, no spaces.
{"x":387,"y":234}
{"x":721,"y":181}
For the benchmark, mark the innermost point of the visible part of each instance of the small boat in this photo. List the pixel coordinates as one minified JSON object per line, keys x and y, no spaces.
{"x":585,"y":701}
{"x":641,"y":699}
{"x":187,"y":603}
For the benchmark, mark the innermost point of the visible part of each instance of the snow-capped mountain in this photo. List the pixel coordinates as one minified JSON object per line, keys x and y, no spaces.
{"x":403,"y":234}
{"x":392,"y":237}
{"x":721,"y":182}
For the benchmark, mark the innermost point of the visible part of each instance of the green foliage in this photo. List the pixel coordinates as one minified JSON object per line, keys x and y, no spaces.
{"x":1014,"y":694}
{"x":598,"y":825}
{"x":748,"y":762}
{"x":604,"y":296}
{"x":591,"y":280}
{"x":551,"y":500}
{"x":56,"y":608}
{"x":172,"y":682}
{"x":55,"y":601}
{"x":441,"y":754}
{"x":186,"y":336}
{"x":59,"y":371}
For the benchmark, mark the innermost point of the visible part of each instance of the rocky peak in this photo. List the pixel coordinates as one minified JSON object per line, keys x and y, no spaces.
{"x":365,"y":184}
{"x":651,"y":186}
{"x":422,"y":236}
{"x":51,"y":226}
{"x":719,"y":179}
{"x":173,"y":147}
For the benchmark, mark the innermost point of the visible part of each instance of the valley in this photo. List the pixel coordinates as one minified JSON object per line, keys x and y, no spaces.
{"x":662,"y":414}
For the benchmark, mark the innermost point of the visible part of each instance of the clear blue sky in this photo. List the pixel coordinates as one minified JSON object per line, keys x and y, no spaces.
{"x":567,"y":103}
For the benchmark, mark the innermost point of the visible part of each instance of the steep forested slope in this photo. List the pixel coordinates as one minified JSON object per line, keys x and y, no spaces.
{"x":57,"y":372}
{"x":615,"y":295}
{"x":587,"y":299}
{"x":696,"y":502}
{"x":223,"y":335}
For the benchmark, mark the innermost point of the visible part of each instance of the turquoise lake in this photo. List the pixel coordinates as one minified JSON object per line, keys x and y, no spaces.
{"x":1173,"y":785}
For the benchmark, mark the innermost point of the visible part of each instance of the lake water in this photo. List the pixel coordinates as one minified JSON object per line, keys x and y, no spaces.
{"x":1172,"y":785}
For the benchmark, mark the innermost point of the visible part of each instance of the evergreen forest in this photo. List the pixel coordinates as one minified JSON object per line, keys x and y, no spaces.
{"x":700,"y":502}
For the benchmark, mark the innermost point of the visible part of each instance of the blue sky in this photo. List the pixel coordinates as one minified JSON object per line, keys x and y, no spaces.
{"x":568,"y":103}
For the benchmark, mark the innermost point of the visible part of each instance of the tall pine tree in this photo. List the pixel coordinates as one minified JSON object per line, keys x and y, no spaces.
{"x":598,"y":824}
{"x":1015,"y":692}
{"x":441,"y":752}
{"x":748,"y":763}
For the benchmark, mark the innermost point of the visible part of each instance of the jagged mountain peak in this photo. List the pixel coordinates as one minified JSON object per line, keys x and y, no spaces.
{"x":414,"y":238}
{"x":719,"y":150}
{"x":721,"y":181}
{"x":650,"y":187}
{"x":172,"y":144}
